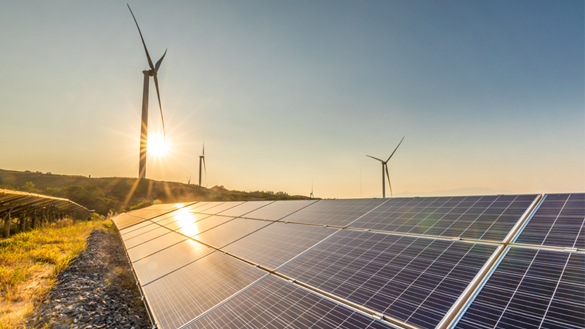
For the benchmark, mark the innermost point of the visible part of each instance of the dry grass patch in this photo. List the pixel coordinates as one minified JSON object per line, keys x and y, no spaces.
{"x":30,"y":262}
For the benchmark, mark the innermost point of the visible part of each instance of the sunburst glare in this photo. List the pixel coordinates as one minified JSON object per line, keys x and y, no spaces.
{"x":156,"y":145}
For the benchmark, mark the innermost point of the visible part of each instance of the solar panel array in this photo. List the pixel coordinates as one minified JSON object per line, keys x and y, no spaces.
{"x":444,"y":262}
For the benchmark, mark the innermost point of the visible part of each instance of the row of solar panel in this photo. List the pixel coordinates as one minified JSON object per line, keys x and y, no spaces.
{"x":412,"y":279}
{"x":556,"y":222}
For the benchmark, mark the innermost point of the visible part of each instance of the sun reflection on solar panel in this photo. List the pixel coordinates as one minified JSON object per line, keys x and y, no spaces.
{"x":186,"y":220}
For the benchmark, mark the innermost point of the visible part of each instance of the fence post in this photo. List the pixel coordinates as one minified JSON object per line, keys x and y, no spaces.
{"x":7,"y":224}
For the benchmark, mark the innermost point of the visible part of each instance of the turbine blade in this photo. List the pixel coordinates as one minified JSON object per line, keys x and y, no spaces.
{"x":396,"y":148}
{"x":141,"y":38}
{"x":390,"y":184}
{"x":203,"y":148}
{"x":160,"y":106}
{"x":157,"y":65}
{"x":375,"y":158}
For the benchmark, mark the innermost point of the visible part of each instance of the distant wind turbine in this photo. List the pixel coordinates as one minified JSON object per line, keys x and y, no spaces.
{"x":385,"y":169}
{"x":311,"y":195}
{"x":202,"y":160}
{"x":152,"y":72}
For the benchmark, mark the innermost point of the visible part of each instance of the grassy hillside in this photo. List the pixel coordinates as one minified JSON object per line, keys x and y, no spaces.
{"x":122,"y":194}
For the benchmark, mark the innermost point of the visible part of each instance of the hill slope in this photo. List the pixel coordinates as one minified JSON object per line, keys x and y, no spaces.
{"x":121,"y":194}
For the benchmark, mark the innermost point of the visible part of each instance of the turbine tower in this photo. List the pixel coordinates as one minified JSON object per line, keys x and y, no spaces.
{"x":385,"y":169}
{"x":151,"y":72}
{"x":202,"y":160}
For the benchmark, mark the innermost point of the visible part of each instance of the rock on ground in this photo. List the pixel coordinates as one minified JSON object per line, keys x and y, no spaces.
{"x":97,"y":290}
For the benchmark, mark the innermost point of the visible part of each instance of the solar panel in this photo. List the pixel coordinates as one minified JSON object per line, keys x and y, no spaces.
{"x":559,"y":221}
{"x":278,"y":243}
{"x":184,"y":218}
{"x":207,"y":206}
{"x":275,"y":303}
{"x":531,"y":289}
{"x":169,"y":259}
{"x":334,"y":212}
{"x":219,"y":208}
{"x":230,"y":231}
{"x":135,"y":241}
{"x":123,"y":221}
{"x":415,"y":280}
{"x":244,"y":208}
{"x":203,"y":225}
{"x":154,"y":245}
{"x":277,"y":210}
{"x":144,"y":229}
{"x":157,"y":210}
{"x":474,"y":217}
{"x":179,"y":297}
{"x":124,"y":232}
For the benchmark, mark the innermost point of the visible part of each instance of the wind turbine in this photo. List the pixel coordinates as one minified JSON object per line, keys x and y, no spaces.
{"x":152,"y":72}
{"x":385,"y":168}
{"x":202,"y":160}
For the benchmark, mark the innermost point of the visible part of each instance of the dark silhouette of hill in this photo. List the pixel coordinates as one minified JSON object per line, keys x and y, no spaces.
{"x":122,"y":194}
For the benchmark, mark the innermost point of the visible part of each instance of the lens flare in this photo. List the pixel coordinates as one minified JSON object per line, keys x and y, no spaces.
{"x":156,"y":145}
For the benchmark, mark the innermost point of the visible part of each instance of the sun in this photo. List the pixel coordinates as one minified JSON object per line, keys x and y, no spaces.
{"x":156,"y":145}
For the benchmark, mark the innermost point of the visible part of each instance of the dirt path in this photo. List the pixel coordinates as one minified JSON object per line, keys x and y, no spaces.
{"x":96,"y":291}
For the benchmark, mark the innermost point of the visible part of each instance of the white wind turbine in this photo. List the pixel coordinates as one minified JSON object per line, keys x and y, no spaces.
{"x":152,"y":72}
{"x":385,"y":169}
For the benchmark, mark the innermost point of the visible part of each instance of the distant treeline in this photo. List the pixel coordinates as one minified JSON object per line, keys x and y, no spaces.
{"x":123,"y":194}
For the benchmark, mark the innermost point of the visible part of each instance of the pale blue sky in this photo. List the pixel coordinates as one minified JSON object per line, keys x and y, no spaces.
{"x":490,"y":94}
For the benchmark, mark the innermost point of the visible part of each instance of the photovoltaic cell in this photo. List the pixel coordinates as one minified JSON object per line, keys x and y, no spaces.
{"x":278,"y":243}
{"x":157,"y":210}
{"x":231,"y":231}
{"x":274,"y":303}
{"x":277,"y":210}
{"x":531,"y":289}
{"x":193,"y":229}
{"x":140,"y":231}
{"x":222,"y":207}
{"x":169,"y":259}
{"x":123,"y":221}
{"x":415,"y":280}
{"x":559,"y":222}
{"x":334,"y":212}
{"x":474,"y":217}
{"x":154,"y":245}
{"x":178,"y":298}
{"x":206,"y":206}
{"x":135,"y":241}
{"x":244,"y":208}
{"x":133,"y":227}
{"x":185,"y":218}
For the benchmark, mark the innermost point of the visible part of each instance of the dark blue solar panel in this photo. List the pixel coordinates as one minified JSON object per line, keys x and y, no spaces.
{"x":474,"y":217}
{"x":415,"y":280}
{"x":278,"y":243}
{"x":531,"y":289}
{"x":559,"y":221}
{"x":334,"y":212}
{"x":274,"y":303}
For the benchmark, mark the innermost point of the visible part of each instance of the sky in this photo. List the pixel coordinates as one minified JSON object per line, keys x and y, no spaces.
{"x":292,"y":95}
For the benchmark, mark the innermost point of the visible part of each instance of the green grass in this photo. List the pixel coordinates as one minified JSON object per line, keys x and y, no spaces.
{"x":30,"y":262}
